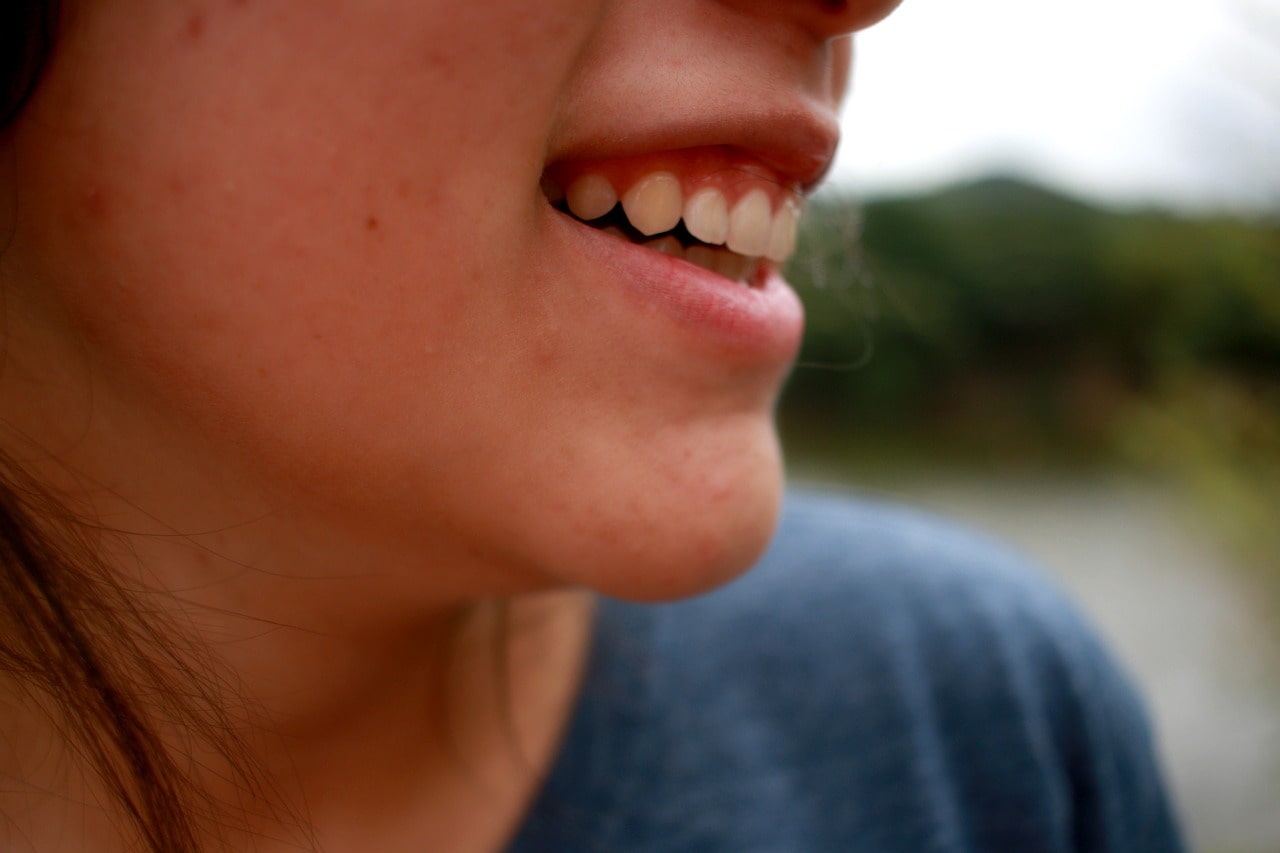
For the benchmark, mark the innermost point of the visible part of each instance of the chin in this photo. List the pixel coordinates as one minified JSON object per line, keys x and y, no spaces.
{"x":684,"y":528}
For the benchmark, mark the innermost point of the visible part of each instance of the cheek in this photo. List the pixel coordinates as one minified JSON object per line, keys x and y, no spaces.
{"x":326,"y":336}
{"x":249,"y":248}
{"x":304,"y":343}
{"x":338,"y":298}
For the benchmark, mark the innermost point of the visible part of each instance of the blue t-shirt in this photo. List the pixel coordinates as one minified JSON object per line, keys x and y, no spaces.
{"x":879,"y":682}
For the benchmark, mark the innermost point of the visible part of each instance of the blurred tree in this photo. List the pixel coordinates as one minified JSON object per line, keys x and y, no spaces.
{"x":1000,"y":299}
{"x":1003,"y":318}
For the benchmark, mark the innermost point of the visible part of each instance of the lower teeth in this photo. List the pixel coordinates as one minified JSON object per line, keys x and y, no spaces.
{"x":716,"y":259}
{"x":731,"y":265}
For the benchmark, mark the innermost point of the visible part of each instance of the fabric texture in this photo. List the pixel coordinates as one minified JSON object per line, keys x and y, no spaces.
{"x":880,"y":682}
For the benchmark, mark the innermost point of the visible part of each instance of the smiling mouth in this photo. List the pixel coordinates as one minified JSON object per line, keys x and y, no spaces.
{"x":691,"y":219}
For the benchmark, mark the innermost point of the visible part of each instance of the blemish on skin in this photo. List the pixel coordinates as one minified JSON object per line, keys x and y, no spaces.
{"x":95,"y":204}
{"x":371,"y":224}
{"x":437,"y":62}
{"x":195,"y":27}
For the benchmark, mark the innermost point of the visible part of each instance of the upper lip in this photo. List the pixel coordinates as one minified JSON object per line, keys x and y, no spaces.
{"x":793,"y":137}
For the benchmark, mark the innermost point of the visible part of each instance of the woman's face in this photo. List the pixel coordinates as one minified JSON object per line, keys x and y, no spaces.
{"x":307,"y":251}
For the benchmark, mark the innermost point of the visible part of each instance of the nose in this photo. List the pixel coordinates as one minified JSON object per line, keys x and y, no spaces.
{"x":838,"y":17}
{"x":826,"y":18}
{"x":829,"y":23}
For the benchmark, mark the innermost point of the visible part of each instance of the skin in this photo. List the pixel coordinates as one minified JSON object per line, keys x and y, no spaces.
{"x":283,"y":284}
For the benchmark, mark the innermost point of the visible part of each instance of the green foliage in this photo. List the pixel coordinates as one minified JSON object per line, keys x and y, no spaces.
{"x":1002,"y":318}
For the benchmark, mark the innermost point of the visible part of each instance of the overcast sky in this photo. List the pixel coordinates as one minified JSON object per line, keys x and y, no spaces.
{"x":1136,"y":101}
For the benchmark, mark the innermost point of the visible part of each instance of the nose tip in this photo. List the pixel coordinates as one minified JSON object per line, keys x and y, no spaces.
{"x":826,"y":19}
{"x":838,"y":17}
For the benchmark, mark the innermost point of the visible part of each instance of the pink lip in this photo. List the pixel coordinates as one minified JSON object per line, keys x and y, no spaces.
{"x":759,"y":325}
{"x":796,"y":140}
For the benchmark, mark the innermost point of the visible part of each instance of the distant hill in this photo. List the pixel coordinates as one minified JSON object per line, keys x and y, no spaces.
{"x":996,"y":194}
{"x":1029,"y":293}
{"x":999,"y":322}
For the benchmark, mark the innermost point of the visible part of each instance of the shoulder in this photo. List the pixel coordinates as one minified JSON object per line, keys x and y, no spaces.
{"x":911,"y":621}
{"x":883,"y":655}
{"x":845,"y":573}
{"x":881,"y":680}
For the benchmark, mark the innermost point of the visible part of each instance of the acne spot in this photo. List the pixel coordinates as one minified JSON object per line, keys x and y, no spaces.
{"x":96,"y":205}
{"x":437,"y":62}
{"x":195,"y":27}
{"x":548,"y":353}
{"x":371,"y":224}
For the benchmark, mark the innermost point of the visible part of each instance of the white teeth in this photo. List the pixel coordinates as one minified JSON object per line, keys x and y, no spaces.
{"x":782,"y":237}
{"x":591,"y":196}
{"x":656,"y":204}
{"x":653,"y":203}
{"x":733,"y":266}
{"x":750,"y":224}
{"x":667,"y":245}
{"x":722,"y":261}
{"x":706,"y":216}
{"x":703,"y":256}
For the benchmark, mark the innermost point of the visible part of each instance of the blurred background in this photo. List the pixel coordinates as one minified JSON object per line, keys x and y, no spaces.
{"x":1044,"y":297}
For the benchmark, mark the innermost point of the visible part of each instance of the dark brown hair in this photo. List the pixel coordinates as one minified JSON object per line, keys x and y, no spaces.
{"x":57,"y":604}
{"x":27,"y":33}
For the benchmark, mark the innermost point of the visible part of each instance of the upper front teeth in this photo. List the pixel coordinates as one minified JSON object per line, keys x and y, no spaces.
{"x":750,"y":222}
{"x":706,"y":216}
{"x":782,"y":239}
{"x":655,"y":204}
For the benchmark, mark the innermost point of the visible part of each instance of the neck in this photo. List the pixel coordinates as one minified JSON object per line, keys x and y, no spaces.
{"x":442,"y":742}
{"x":354,"y":667}
{"x":392,"y":730}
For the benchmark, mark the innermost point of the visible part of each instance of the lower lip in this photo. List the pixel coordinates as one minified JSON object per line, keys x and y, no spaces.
{"x":760,"y":324}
